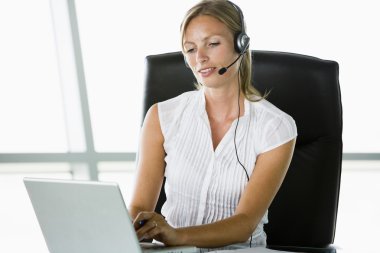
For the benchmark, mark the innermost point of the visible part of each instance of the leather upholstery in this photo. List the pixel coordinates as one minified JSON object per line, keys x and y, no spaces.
{"x":303,"y":214}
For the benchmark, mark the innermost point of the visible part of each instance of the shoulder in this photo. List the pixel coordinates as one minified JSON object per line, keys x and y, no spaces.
{"x":151,"y":117}
{"x":273,"y":126}
{"x":266,"y":113}
{"x":174,"y":105}
{"x":264,"y":107}
{"x":180,"y":99}
{"x":171,"y":110}
{"x":151,"y":129}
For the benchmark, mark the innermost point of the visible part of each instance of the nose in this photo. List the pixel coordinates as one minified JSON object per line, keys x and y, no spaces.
{"x":201,"y":56}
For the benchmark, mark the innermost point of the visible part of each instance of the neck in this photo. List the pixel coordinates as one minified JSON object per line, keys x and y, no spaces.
{"x":221,"y":104}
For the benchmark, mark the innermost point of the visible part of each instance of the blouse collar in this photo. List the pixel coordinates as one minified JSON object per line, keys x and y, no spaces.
{"x":202,"y":104}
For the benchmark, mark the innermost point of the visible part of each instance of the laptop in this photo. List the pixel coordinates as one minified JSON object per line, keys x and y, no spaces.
{"x":87,"y":217}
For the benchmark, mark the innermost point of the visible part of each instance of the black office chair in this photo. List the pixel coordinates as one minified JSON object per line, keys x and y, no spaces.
{"x":302,"y":216}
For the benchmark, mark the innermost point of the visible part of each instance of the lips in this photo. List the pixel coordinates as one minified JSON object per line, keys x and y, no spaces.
{"x":205,"y":72}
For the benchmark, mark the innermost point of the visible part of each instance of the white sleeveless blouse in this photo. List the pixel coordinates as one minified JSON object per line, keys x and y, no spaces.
{"x":203,"y":185}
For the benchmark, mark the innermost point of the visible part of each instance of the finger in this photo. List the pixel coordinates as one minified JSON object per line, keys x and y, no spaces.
{"x":139,"y":224}
{"x":153,"y":233}
{"x":143,"y":232}
{"x":142,"y":218}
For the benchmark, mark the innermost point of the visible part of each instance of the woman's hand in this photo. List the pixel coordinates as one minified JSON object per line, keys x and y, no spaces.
{"x":151,"y":225}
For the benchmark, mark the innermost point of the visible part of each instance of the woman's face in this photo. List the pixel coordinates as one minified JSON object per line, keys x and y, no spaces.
{"x":208,"y":46}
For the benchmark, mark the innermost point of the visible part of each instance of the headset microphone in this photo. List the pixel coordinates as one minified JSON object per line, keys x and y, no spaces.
{"x":224,"y":69}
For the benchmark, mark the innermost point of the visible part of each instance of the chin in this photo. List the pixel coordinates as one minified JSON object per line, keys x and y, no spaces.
{"x":210,"y":82}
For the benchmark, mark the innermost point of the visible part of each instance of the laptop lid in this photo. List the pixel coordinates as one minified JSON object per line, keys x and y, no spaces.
{"x":83,"y":216}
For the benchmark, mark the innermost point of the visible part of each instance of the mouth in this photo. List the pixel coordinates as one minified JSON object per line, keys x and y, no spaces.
{"x":206,"y":71}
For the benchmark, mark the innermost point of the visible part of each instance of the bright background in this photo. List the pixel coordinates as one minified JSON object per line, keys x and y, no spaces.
{"x":115,"y":37}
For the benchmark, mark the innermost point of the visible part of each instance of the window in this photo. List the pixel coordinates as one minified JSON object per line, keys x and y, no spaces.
{"x":30,"y":97}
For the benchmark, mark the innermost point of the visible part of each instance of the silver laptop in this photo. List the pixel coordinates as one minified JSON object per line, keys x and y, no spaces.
{"x":86,"y":217}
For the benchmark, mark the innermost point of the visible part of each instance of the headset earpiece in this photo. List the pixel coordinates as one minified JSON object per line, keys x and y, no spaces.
{"x":241,"y":42}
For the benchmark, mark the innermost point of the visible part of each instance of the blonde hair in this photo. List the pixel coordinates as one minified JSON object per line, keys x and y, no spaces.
{"x":226,"y":13}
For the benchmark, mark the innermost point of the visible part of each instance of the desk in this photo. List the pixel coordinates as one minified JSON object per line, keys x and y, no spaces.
{"x":251,"y":250}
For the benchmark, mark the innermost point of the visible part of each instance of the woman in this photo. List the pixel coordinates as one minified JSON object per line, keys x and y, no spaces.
{"x":224,"y":149}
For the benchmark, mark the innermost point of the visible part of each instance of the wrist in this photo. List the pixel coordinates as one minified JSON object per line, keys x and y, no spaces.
{"x":182,"y":237}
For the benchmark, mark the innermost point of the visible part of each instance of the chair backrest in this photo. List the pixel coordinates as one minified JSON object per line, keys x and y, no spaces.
{"x":304,"y":211}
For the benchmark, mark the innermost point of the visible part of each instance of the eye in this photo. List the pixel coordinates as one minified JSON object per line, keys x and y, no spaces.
{"x":190,"y":50}
{"x":214,"y":44}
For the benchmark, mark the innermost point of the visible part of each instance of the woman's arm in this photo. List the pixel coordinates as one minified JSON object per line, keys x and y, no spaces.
{"x":150,"y":165}
{"x":269,"y":172}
